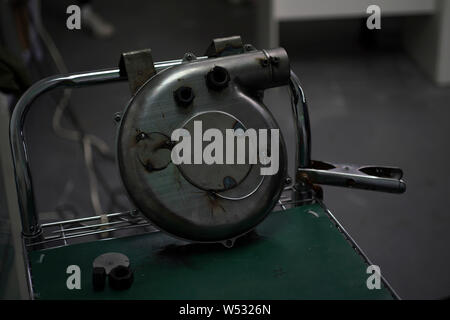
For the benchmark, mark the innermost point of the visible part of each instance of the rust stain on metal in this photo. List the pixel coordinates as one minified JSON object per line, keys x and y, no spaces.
{"x":150,"y":150}
{"x":214,"y":202}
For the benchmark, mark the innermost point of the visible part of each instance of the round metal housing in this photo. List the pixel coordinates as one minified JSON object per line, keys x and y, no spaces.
{"x":202,"y":202}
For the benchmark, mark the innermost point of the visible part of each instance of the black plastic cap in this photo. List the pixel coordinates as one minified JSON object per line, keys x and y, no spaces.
{"x":98,"y":278}
{"x":184,"y":96}
{"x":121,"y":278}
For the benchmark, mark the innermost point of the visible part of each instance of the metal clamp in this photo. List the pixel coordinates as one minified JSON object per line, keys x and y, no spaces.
{"x":376,"y":178}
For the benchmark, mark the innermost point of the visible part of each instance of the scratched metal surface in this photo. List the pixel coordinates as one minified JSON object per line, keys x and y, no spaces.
{"x":176,"y":198}
{"x":295,"y":254}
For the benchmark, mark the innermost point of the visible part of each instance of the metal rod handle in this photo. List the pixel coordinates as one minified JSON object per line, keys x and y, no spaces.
{"x":24,"y":185}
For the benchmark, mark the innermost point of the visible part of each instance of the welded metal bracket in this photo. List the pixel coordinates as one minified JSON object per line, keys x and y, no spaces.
{"x":376,"y":178}
{"x":138,"y":67}
{"x":220,"y":47}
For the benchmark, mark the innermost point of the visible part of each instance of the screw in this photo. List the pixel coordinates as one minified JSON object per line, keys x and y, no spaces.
{"x":248,"y":47}
{"x":274,"y":60}
{"x":264,"y":62}
{"x":189,"y":56}
{"x":228,"y":243}
{"x":141,"y":136}
{"x":118,"y":116}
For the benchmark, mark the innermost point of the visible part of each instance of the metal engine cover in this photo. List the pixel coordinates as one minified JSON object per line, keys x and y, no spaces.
{"x":201,"y":202}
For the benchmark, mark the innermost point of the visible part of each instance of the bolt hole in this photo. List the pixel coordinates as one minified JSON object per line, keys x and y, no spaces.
{"x":184,"y":96}
{"x":218,"y":78}
{"x":220,"y":75}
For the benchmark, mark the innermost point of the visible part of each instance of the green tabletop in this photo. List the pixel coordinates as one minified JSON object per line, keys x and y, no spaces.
{"x":294,"y":254}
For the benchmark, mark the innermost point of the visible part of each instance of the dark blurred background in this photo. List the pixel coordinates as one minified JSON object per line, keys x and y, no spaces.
{"x":371,"y":102}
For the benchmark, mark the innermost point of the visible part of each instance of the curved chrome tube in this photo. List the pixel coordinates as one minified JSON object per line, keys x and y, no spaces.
{"x":24,"y":185}
{"x":301,"y":114}
{"x":30,"y":220}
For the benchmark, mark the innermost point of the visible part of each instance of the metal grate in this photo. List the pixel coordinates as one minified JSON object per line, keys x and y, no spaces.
{"x":116,"y":225}
{"x":103,"y":227}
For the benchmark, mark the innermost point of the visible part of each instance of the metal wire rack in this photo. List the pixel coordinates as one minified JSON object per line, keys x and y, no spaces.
{"x":114,"y":225}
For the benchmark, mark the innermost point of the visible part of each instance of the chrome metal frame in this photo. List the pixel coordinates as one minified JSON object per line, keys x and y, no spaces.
{"x":29,"y":216}
{"x":302,"y":126}
{"x":31,"y":227}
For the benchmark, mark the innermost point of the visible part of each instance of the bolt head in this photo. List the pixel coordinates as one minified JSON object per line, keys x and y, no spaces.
{"x":117,"y":116}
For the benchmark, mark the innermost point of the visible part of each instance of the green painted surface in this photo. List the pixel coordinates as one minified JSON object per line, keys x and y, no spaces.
{"x":292,"y":255}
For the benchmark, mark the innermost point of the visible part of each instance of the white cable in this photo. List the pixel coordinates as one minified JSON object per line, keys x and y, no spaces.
{"x":88,"y":140}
